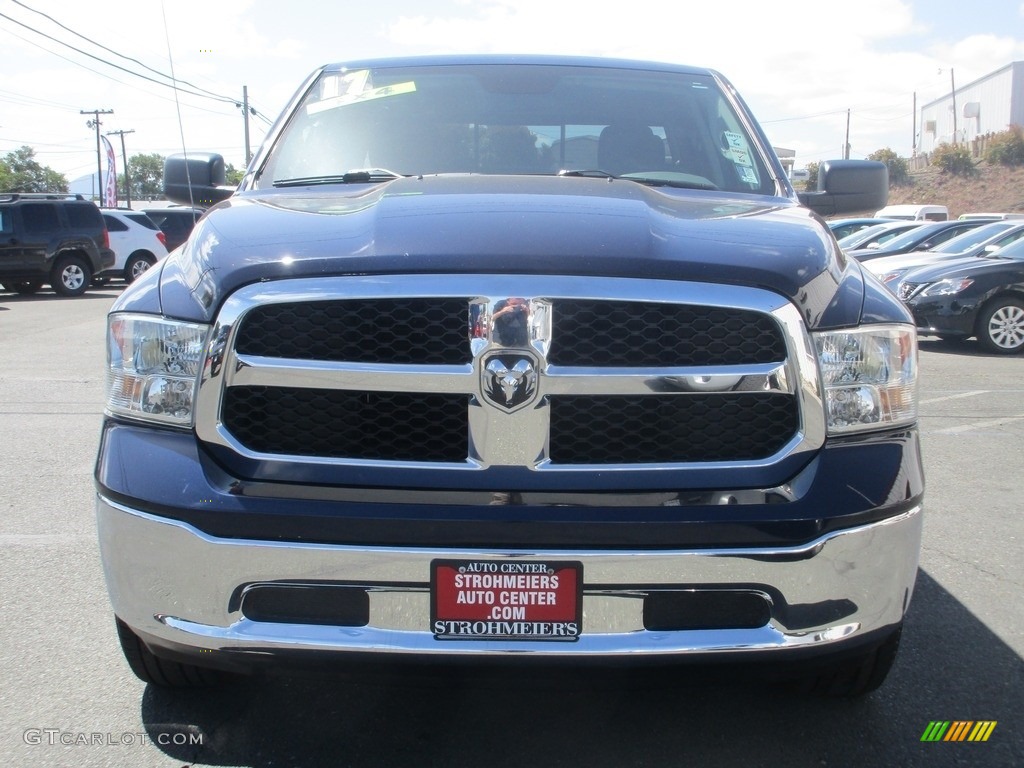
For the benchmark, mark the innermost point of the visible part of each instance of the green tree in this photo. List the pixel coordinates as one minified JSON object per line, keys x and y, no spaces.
{"x":20,"y":172}
{"x":147,"y":175}
{"x":812,"y":177}
{"x":899,"y":171}
{"x":233,"y":176}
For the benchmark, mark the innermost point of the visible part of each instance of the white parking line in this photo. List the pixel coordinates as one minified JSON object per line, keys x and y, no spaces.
{"x":955,"y":397}
{"x":44,"y":539}
{"x":978,"y":425}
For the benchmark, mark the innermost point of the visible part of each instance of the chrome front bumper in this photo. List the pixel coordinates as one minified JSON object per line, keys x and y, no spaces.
{"x":175,"y":585}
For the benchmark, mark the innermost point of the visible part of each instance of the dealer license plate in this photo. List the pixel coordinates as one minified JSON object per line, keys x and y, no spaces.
{"x":506,"y":599}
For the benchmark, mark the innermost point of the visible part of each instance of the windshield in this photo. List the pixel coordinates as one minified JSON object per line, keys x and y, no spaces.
{"x":914,"y":236}
{"x":1013,"y":251}
{"x":971,"y":238}
{"x":876,"y":235}
{"x":659,"y":127}
{"x":861,"y":236}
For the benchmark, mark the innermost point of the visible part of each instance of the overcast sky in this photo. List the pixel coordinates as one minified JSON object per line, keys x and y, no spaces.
{"x":800,"y":64}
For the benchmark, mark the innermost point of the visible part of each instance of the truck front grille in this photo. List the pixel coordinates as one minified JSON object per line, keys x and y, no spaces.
{"x":505,"y":371}
{"x":616,"y":333}
{"x":390,"y":426}
{"x":740,"y":426}
{"x":408,"y":330}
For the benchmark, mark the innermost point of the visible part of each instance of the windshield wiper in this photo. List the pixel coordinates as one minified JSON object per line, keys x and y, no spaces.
{"x":356,"y":176}
{"x":657,"y":179}
{"x":589,"y":174}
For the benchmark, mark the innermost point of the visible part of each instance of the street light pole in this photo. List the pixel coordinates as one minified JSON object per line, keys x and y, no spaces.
{"x":124,"y":159}
{"x":95,"y":123}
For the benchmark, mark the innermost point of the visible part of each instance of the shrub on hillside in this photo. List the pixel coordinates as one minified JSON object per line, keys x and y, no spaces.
{"x":1007,"y":147}
{"x":954,"y":159}
{"x":899,"y":171}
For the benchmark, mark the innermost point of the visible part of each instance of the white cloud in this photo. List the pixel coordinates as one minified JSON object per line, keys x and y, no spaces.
{"x":797,"y":64}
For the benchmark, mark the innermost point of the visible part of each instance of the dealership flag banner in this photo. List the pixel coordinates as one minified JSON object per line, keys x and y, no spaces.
{"x":110,"y":182}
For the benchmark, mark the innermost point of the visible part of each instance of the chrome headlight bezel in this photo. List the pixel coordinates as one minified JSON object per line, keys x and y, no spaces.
{"x":869,"y":377}
{"x":153,"y":368}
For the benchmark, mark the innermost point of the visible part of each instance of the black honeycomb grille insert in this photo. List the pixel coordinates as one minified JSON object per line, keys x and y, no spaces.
{"x":383,"y":426}
{"x":634,"y":333}
{"x":400,"y":331}
{"x":670,"y":428}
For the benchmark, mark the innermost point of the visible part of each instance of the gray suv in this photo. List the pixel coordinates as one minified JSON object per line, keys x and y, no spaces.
{"x":60,"y":240}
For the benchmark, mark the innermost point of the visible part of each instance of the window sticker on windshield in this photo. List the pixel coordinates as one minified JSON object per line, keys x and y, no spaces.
{"x":737,"y":148}
{"x":747,"y":175}
{"x":353,"y":87}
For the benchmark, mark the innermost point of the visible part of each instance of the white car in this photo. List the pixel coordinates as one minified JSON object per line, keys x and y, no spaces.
{"x":136,"y":241}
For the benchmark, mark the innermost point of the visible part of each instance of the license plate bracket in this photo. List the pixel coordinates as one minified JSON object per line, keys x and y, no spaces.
{"x":506,"y":600}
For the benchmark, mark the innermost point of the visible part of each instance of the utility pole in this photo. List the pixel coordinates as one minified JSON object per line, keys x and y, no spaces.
{"x":95,"y":123}
{"x":245,"y":114}
{"x":952,"y":84}
{"x":913,"y":136}
{"x":124,"y":159}
{"x":846,"y":146}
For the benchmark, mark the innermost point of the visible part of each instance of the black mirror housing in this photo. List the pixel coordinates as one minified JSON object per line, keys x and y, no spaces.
{"x":196,"y":179}
{"x":848,"y":186}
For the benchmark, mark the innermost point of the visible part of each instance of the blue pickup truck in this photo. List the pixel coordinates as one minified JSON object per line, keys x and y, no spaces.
{"x":512,"y":358}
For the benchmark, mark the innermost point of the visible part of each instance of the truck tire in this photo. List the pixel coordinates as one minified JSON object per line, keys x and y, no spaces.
{"x":856,"y":676}
{"x":166,"y":674}
{"x":71,"y":276}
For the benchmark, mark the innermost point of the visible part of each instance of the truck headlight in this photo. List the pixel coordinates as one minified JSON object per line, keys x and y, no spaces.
{"x":153,"y":367}
{"x":869,"y":376}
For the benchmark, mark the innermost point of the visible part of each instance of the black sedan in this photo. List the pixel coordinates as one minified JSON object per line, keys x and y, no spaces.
{"x":920,"y":238}
{"x":980,"y":296}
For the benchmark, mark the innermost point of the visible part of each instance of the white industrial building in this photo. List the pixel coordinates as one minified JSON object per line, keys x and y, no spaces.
{"x":990,"y":104}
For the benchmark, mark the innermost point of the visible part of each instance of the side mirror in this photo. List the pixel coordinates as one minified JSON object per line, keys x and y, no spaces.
{"x":847,"y":186}
{"x":196,"y":179}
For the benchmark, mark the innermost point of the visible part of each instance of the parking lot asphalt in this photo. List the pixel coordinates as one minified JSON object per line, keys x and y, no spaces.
{"x":67,"y":697}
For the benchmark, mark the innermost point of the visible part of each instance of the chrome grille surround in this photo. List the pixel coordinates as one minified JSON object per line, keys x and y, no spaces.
{"x":906,"y":291}
{"x":513,"y":433}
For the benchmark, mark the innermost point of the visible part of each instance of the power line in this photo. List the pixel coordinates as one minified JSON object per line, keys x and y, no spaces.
{"x":104,"y":75}
{"x":120,"y":55}
{"x":117,"y":66}
{"x":805,"y":117}
{"x":206,"y":93}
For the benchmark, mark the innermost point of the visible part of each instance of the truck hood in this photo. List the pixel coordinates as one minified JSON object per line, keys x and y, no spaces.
{"x":508,"y":225}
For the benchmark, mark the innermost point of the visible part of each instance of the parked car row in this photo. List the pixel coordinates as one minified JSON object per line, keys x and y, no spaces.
{"x":980,"y":296}
{"x":922,"y":236}
{"x":960,"y":279}
{"x":67,"y":242}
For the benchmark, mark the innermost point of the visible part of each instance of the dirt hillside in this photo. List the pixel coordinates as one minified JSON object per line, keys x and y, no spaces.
{"x":994,"y":188}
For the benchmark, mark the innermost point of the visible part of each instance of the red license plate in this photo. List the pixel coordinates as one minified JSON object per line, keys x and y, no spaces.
{"x":506,"y":599}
